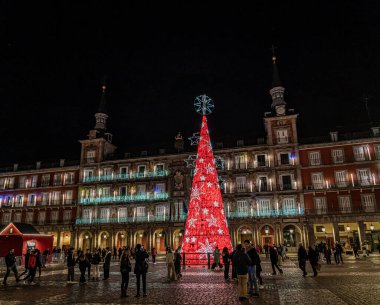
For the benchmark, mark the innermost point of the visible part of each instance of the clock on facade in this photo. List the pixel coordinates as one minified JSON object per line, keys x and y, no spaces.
{"x":280,"y":110}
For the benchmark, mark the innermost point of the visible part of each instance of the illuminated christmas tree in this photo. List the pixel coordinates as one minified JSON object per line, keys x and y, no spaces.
{"x":206,"y":224}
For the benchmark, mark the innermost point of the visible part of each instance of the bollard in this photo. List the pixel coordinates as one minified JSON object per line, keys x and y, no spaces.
{"x":208,"y":261}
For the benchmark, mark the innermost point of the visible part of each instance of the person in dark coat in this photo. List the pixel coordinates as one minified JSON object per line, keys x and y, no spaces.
{"x":242,"y":261}
{"x":273,"y":255}
{"x":89,"y":259}
{"x":302,"y":258}
{"x":107,"y":264}
{"x":177,"y":262}
{"x":234,"y":274}
{"x":27,"y":255}
{"x":252,"y":253}
{"x":226,"y":257}
{"x":96,"y":259}
{"x":70,"y":265}
{"x":82,"y":263}
{"x":114,"y":253}
{"x":141,"y":268}
{"x":10,"y":262}
{"x":328,"y":255}
{"x":125,"y":268}
{"x":32,"y":267}
{"x":313,"y":259}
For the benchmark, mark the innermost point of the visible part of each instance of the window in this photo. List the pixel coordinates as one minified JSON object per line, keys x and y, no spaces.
{"x":33,"y":181}
{"x":337,"y":155}
{"x":105,"y":192}
{"x":88,"y":173}
{"x":360,"y":153}
{"x":317,"y":180}
{"x":90,"y":156}
{"x":376,"y":148}
{"x":122,"y":190}
{"x":289,"y":206}
{"x":22,"y":182}
{"x":341,"y":179}
{"x":364,"y":176}
{"x":44,"y":198}
{"x":284,"y":159}
{"x":241,"y":161}
{"x":68,"y":197}
{"x":286,"y":182}
{"x":54,"y":216}
{"x":45,"y":180}
{"x":122,"y":214}
{"x":159,"y":170}
{"x":261,"y":160}
{"x":159,"y":188}
{"x":141,"y":171}
{"x":69,"y":178}
{"x":141,"y":189}
{"x":124,"y":170}
{"x":160,"y":210}
{"x":6,"y":218}
{"x":368,"y":202}
{"x":344,"y":204}
{"x":242,"y":206}
{"x":104,"y":213}
{"x":19,"y":200}
{"x":29,"y":217}
{"x":264,"y":207}
{"x":57,"y":179}
{"x":282,"y":136}
{"x":7,"y":183}
{"x":32,"y":199}
{"x":8,"y":201}
{"x":56,"y":198}
{"x":241,"y":184}
{"x":41,"y":216}
{"x":67,"y":215}
{"x":263,"y":184}
{"x":87,"y":213}
{"x":107,"y":172}
{"x":314,"y":158}
{"x":140,"y":211}
{"x":320,"y":205}
{"x":17,"y":217}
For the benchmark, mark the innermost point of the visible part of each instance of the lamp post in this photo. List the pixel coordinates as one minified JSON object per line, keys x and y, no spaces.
{"x":324,"y":232}
{"x":348,"y":228}
{"x":372,"y":227}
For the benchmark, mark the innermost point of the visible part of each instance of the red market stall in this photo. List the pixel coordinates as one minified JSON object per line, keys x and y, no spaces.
{"x":20,"y":237}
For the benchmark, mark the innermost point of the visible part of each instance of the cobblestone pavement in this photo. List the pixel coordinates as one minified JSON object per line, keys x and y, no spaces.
{"x":354,"y":282}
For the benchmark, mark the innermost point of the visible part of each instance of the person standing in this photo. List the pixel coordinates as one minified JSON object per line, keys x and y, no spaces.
{"x":107,"y":264}
{"x":266,"y":249}
{"x":170,"y":265}
{"x":125,"y":268}
{"x":141,"y":268}
{"x":313,"y":257}
{"x":82,"y":263}
{"x":302,"y":258}
{"x":339,"y":250}
{"x":114,"y":252}
{"x":95,"y":263}
{"x":216,"y":255}
{"x":226,"y":262}
{"x":177,"y":263}
{"x":154,"y":254}
{"x":356,"y":249}
{"x":27,"y":255}
{"x":328,"y":255}
{"x":89,"y":260}
{"x":70,"y":265}
{"x":120,"y":252}
{"x":273,"y":255}
{"x":10,"y":262}
{"x":234,"y":274}
{"x":252,"y":253}
{"x":32,"y":267}
{"x":241,"y":261}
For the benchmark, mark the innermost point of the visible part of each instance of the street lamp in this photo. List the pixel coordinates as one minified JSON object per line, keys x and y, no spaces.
{"x":348,"y":228}
{"x":122,"y":235}
{"x":104,"y":236}
{"x":266,"y":230}
{"x":291,"y":231}
{"x":179,"y":234}
{"x":323,"y":229}
{"x":86,"y":236}
{"x":372,"y":227}
{"x":141,"y":235}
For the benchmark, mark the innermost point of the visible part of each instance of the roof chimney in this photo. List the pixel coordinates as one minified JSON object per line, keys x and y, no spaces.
{"x":61,"y":162}
{"x":333,"y":136}
{"x":15,"y":166}
{"x":38,"y":164}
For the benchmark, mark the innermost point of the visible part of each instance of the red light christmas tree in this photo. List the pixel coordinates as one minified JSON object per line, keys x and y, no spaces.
{"x":206,"y":224}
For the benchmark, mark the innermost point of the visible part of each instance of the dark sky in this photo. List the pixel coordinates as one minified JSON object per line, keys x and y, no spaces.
{"x":157,"y":59}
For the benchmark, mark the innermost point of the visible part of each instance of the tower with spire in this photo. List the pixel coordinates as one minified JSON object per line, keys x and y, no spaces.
{"x":277,"y":91}
{"x":98,"y":146}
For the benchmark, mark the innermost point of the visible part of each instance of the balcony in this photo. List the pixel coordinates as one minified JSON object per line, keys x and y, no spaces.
{"x":338,"y":159}
{"x":126,"y":198}
{"x":123,"y":177}
{"x":265,"y":213}
{"x":57,"y":182}
{"x":130,"y":220}
{"x":286,"y":187}
{"x":282,"y":140}
{"x":339,"y":211}
{"x":363,"y":183}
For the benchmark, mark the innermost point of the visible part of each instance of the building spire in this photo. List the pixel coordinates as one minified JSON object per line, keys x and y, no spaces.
{"x":103,"y":102}
{"x":101,"y":115}
{"x":277,"y":91}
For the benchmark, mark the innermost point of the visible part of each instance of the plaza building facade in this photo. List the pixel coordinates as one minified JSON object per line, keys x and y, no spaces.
{"x":281,"y":190}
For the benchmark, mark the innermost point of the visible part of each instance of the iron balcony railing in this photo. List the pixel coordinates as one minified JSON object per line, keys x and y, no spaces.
{"x":130,"y":219}
{"x":265,"y":213}
{"x":126,"y":198}
{"x":130,"y":176}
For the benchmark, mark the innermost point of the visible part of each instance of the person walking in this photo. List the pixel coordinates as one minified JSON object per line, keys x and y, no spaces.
{"x":10,"y":262}
{"x":70,"y":266}
{"x":226,"y":262}
{"x":26,"y":258}
{"x":302,"y":258}
{"x":107,"y":264}
{"x":154,"y":254}
{"x":356,"y":250}
{"x":234,"y":274}
{"x":114,"y":253}
{"x":89,"y":260}
{"x":273,"y":255}
{"x":170,"y":265}
{"x":96,"y":259}
{"x":125,"y":268}
{"x":266,"y":249}
{"x":313,"y":257}
{"x":339,"y":250}
{"x":32,"y":267}
{"x":328,"y":255}
{"x":252,"y":253}
{"x":216,"y":255}
{"x":141,"y":269}
{"x":177,"y":263}
{"x":82,"y":264}
{"x":241,"y":261}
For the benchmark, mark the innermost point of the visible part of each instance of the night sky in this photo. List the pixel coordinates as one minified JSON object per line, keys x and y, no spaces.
{"x":157,"y":59}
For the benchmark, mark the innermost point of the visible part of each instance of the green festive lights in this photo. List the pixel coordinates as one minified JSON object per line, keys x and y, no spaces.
{"x":130,"y":176}
{"x":126,"y":198}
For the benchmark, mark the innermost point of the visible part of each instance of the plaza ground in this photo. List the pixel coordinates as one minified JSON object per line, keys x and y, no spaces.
{"x":354,"y":282}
